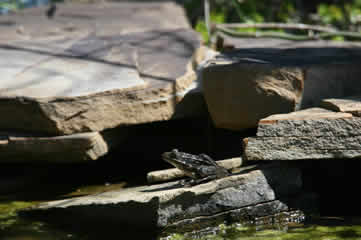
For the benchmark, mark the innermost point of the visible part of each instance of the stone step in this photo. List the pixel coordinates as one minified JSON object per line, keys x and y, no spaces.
{"x":309,"y":134}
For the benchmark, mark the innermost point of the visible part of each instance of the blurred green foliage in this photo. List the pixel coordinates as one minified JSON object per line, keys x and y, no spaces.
{"x":11,"y":5}
{"x":343,"y":14}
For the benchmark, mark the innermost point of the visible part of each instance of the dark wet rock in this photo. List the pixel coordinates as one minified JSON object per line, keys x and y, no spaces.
{"x":245,"y":196}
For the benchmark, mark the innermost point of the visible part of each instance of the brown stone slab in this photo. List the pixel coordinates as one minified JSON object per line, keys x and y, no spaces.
{"x":97,"y":66}
{"x":349,"y":105}
{"x":306,"y":114}
{"x":21,"y":148}
{"x":261,"y":77}
{"x":239,"y":94}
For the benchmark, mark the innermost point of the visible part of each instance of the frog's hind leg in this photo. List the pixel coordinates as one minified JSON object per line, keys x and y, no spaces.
{"x":208,"y":159}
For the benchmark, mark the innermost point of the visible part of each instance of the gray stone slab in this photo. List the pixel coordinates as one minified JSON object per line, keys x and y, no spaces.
{"x":168,"y":205}
{"x":97,"y":66}
{"x":102,"y":19}
{"x":39,"y":76}
{"x":302,"y":148}
{"x":308,"y":134}
{"x":26,"y":148}
{"x":313,"y":122}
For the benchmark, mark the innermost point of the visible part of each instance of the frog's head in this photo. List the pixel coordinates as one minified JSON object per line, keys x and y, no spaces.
{"x":177,"y":159}
{"x":173,"y":157}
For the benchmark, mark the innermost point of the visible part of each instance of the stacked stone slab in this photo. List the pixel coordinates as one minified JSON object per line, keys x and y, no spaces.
{"x":92,"y":69}
{"x":314,"y":133}
{"x":264,"y":77}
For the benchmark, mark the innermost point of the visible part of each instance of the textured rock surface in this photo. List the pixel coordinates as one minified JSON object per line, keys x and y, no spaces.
{"x":168,"y":205}
{"x":239,"y":94}
{"x":15,"y":148}
{"x":308,"y":134}
{"x":97,"y":66}
{"x":236,"y":101}
{"x":301,"y":148}
{"x":313,"y":122}
{"x":350,"y":105}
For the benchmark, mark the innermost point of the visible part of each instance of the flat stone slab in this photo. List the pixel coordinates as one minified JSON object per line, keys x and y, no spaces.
{"x":312,"y":122}
{"x":96,"y":66}
{"x":349,"y":105}
{"x":263,"y":77}
{"x":22,"y":148}
{"x":241,"y":197}
{"x":309,"y":134}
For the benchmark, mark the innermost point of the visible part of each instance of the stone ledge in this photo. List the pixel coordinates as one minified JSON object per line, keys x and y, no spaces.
{"x":309,"y":134}
{"x":21,"y":148}
{"x":166,"y":204}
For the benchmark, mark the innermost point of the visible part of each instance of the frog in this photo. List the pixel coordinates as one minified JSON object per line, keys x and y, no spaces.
{"x":200,"y":168}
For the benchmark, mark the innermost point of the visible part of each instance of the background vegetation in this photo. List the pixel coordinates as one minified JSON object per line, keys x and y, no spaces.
{"x":342,"y":14}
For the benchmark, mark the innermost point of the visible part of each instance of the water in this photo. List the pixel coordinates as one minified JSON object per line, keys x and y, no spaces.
{"x":320,"y":228}
{"x":15,"y":227}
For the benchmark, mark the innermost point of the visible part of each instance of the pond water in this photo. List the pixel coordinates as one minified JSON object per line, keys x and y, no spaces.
{"x":15,"y":227}
{"x":320,"y":228}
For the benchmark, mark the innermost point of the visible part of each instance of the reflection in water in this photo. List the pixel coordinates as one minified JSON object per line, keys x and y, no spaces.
{"x":318,"y":229}
{"x":15,"y":227}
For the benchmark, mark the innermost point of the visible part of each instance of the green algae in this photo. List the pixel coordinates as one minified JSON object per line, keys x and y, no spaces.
{"x":8,"y":210}
{"x":309,"y":232}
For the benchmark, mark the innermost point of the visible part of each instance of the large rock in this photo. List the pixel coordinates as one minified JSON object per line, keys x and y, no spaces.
{"x":308,"y":134}
{"x":97,"y":66}
{"x":241,"y":197}
{"x":269,"y":76}
{"x":238,"y":94}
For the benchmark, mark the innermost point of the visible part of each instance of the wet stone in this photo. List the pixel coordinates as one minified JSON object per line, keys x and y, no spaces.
{"x":249,"y":195}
